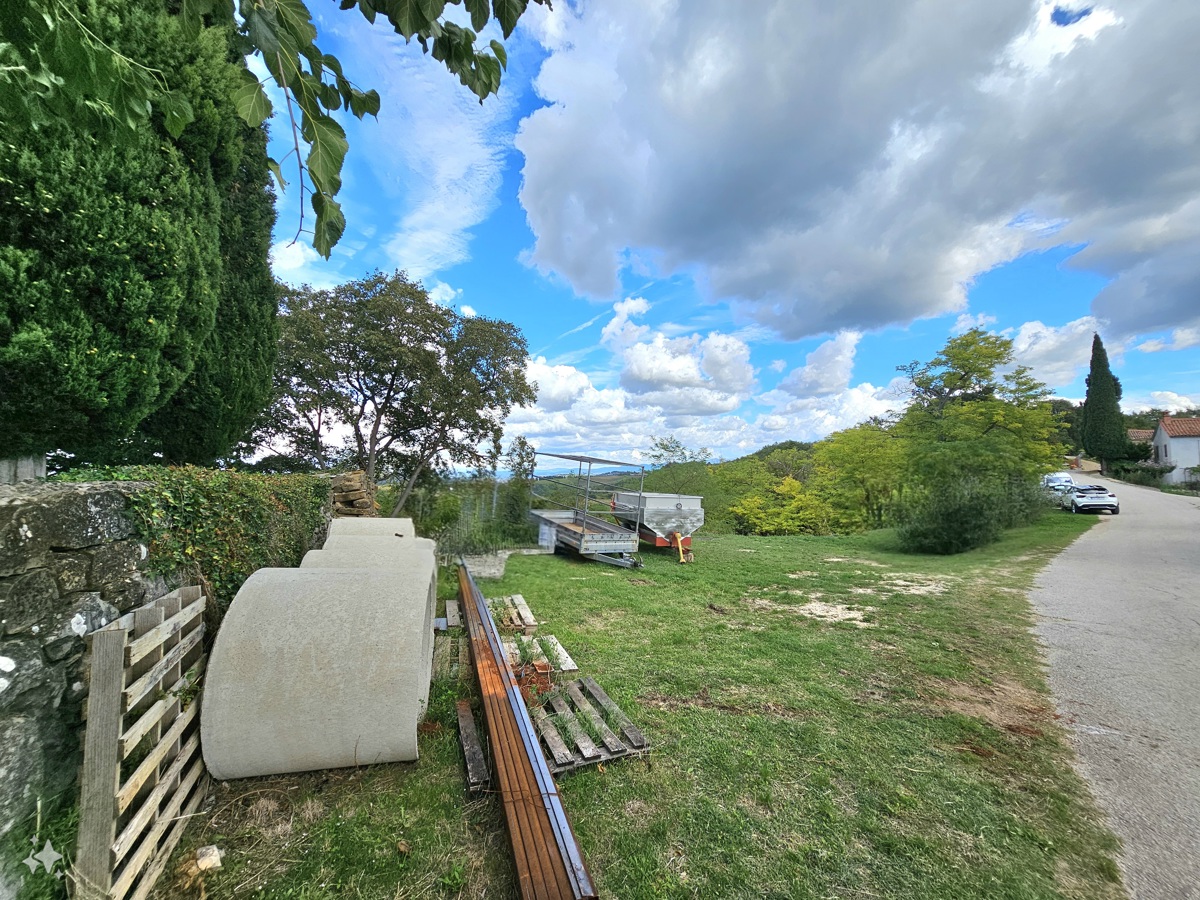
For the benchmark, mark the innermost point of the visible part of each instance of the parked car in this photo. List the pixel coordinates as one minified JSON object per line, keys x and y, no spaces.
{"x":1082,"y":497}
{"x":1057,"y":481}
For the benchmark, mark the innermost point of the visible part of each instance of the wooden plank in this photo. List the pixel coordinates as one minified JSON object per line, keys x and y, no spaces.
{"x":141,"y":688}
{"x":148,"y":809}
{"x":137,"y":862}
{"x":156,"y":867}
{"x":636,"y":739}
{"x":525,"y":616}
{"x":151,"y":717}
{"x":149,"y":765}
{"x":611,"y":741}
{"x":441,"y":657}
{"x":571,"y":724}
{"x":562,"y":756}
{"x":511,"y":651}
{"x":171,"y":607}
{"x":101,"y":767}
{"x":151,"y":639}
{"x":439,"y":624}
{"x":464,"y":659}
{"x":468,"y":736}
{"x":453,"y":615}
{"x":562,"y":657}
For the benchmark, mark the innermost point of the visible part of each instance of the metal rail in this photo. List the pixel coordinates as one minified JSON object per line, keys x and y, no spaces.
{"x":549,"y":862}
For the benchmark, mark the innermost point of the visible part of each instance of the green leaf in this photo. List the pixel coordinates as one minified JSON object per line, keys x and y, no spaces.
{"x":501,"y":53}
{"x":327,"y":150}
{"x":410,"y":17}
{"x":191,"y":14}
{"x":294,"y":17}
{"x":263,"y":30}
{"x":278,"y":173}
{"x":364,"y":104}
{"x":479,"y":13}
{"x":330,"y":223}
{"x":177,"y":112}
{"x":507,"y":12}
{"x":251,"y":101}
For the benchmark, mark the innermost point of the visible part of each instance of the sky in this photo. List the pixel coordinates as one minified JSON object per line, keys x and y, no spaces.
{"x":732,"y":222}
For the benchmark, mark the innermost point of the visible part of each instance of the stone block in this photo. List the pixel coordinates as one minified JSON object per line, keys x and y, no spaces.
{"x":21,"y":769}
{"x":316,"y":669}
{"x":27,"y":684}
{"x":24,"y":540}
{"x":26,"y":599}
{"x":85,"y":515}
{"x":115,"y":565}
{"x":81,"y":615}
{"x":72,"y":571}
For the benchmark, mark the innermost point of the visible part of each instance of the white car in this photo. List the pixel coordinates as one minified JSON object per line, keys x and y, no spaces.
{"x":1083,"y":497}
{"x":1057,"y":481}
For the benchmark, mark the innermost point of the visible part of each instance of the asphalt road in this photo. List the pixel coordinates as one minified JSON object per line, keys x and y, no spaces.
{"x":1119,"y":614}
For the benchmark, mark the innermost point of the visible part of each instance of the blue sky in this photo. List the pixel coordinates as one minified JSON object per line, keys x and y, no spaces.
{"x":733,"y":224}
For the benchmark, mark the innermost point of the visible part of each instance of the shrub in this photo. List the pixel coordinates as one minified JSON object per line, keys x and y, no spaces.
{"x":1140,"y":472}
{"x":222,"y":525}
{"x":951,"y":518}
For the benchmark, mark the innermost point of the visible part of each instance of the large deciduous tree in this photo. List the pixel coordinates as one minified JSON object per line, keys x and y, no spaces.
{"x":1103,"y":430}
{"x":111,"y":269}
{"x":59,"y":63}
{"x":377,"y":371}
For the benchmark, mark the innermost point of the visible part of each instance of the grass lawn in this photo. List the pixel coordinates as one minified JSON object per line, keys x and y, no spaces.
{"x":909,"y":753}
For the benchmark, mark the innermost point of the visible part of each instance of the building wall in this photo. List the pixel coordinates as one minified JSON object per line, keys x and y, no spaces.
{"x":1183,"y":453}
{"x":69,"y":564}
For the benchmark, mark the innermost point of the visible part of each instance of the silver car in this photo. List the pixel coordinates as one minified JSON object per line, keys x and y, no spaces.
{"x":1057,"y":481}
{"x":1083,"y":497}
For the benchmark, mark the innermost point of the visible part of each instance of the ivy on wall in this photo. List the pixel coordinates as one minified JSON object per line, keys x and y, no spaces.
{"x":222,"y":525}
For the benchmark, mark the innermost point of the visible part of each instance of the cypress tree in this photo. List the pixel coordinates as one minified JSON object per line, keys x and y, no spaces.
{"x":1103,"y":429}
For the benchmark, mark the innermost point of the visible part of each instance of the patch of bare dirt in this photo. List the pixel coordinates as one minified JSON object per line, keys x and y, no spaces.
{"x":922,"y":587}
{"x":802,"y":574}
{"x":1004,"y":704}
{"x":836,"y":612}
{"x":640,"y":582}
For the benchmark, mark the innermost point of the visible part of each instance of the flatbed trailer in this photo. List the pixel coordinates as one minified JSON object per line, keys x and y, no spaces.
{"x":577,"y":525}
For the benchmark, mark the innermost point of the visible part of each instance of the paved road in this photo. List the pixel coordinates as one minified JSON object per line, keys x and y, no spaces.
{"x":1119,"y":613}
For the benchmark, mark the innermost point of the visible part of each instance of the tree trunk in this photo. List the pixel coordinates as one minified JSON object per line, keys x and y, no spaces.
{"x":408,"y":489}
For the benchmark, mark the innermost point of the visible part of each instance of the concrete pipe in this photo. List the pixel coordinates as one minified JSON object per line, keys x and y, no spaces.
{"x":373,"y":527}
{"x":319,"y":668}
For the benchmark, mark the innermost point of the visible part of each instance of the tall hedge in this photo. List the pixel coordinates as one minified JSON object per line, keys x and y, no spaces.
{"x":111,"y":253}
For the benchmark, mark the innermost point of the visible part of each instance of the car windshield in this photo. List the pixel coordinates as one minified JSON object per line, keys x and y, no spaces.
{"x":1092,"y":489}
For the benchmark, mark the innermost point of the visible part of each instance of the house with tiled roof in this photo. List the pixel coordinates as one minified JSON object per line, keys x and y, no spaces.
{"x":1177,"y":443}
{"x":1140,"y":435}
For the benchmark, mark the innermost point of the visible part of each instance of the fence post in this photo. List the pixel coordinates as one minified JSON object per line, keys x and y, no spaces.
{"x":101,"y":766}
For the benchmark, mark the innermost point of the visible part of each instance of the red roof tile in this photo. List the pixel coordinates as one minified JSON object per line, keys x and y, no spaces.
{"x":1141,"y":435}
{"x":1180,"y":427}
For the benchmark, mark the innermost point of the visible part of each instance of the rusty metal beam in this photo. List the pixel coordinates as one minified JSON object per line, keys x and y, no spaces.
{"x":549,"y":862}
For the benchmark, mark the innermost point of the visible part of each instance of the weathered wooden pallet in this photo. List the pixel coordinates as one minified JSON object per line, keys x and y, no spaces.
{"x":576,"y":723}
{"x":513,"y":614}
{"x":478,"y":776}
{"x":558,"y":660}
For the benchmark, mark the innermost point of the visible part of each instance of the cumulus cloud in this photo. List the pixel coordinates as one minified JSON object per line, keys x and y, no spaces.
{"x":829,"y":171}
{"x":826,"y":370}
{"x":966,"y":322}
{"x":1057,"y":356}
{"x":296,"y":262}
{"x":1181,"y":339}
{"x":1168,"y":400}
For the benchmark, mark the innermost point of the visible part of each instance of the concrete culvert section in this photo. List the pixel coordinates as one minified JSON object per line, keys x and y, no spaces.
{"x":373,"y":527}
{"x":319,"y":668}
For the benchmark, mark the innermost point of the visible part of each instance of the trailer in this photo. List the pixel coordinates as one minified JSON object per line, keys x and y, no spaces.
{"x":663,"y":520}
{"x":574,"y":506}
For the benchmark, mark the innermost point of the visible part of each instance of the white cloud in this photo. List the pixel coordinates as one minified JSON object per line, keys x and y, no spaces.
{"x":1168,"y":400}
{"x":296,"y":262}
{"x":621,"y":332}
{"x":966,"y":322}
{"x":443,"y":293}
{"x":1057,"y":356}
{"x":827,"y":369}
{"x":1181,"y":339}
{"x":468,"y":311}
{"x":830,"y":171}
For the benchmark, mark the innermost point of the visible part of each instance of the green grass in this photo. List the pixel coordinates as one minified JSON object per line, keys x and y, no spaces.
{"x":792,"y":757}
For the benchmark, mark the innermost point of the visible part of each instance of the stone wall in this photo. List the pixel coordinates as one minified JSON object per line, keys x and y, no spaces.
{"x":69,"y":564}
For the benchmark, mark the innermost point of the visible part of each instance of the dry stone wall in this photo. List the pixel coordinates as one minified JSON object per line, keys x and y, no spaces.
{"x":353,"y":495}
{"x":69,"y":564}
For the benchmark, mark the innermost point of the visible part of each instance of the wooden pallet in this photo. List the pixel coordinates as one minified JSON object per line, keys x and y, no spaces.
{"x":567,"y":718}
{"x":562,"y":661}
{"x":513,"y":614}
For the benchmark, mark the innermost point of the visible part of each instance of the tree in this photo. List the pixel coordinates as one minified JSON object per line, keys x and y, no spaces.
{"x":410,"y":383}
{"x":1104,"y":434}
{"x":972,"y":414}
{"x":680,"y":468}
{"x":59,"y":64}
{"x":860,"y":471}
{"x":110,"y":266}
